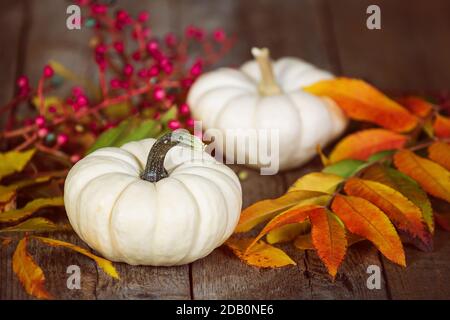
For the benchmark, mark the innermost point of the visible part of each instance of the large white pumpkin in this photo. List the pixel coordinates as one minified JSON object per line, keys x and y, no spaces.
{"x":189,"y":210}
{"x":257,"y":97}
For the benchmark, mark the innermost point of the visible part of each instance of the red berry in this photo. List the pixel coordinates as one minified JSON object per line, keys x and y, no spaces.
{"x":115,"y":83}
{"x":42,"y":132}
{"x":48,"y":71}
{"x":62,"y":139}
{"x":118,"y":46}
{"x":128,"y":70}
{"x":75,"y":158}
{"x":39,"y":121}
{"x":219,"y":35}
{"x":184,"y":109}
{"x":143,"y":16}
{"x":159,"y":94}
{"x":174,"y":124}
{"x":22,"y":82}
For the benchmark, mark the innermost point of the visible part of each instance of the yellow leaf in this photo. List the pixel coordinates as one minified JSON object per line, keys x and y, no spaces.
{"x":290,"y":216}
{"x":48,"y":102}
{"x":30,"y":208}
{"x":14,"y":161}
{"x":261,"y":255}
{"x":267,"y":209}
{"x":33,"y":225}
{"x":432,"y":177}
{"x":29,"y":273}
{"x":317,"y":181}
{"x":8,"y":193}
{"x":106,"y":265}
{"x":287,"y":232}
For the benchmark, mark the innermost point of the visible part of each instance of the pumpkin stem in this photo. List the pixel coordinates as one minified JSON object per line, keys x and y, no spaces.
{"x":154,"y":169}
{"x":268,"y":85}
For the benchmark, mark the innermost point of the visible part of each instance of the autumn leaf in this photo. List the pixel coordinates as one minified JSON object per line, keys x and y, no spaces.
{"x":328,"y":237}
{"x":416,"y":105}
{"x":8,"y":193}
{"x":267,"y":209}
{"x":366,"y":220}
{"x":287,"y":232}
{"x":304,"y":241}
{"x":104,"y":264}
{"x":30,"y":208}
{"x":405,"y":185}
{"x":262,"y":254}
{"x":440,"y":152}
{"x":403,"y":213}
{"x":14,"y":161}
{"x":361,"y":101}
{"x":296,"y":215}
{"x":33,"y":225}
{"x":317,"y":181}
{"x":432,"y":177}
{"x":345,"y":168}
{"x":29,"y":273}
{"x":441,"y":127}
{"x":361,"y":145}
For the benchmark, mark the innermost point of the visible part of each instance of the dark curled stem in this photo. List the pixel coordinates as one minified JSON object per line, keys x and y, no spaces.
{"x":154,"y":169}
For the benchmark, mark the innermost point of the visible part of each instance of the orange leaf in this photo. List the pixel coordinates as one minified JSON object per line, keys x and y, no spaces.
{"x":328,"y":237}
{"x":291,"y":216}
{"x":432,"y":177}
{"x":366,"y":220}
{"x":361,"y":101}
{"x":403,"y":213}
{"x":440,"y":152}
{"x":405,"y":185}
{"x":416,"y":105}
{"x":361,"y":145}
{"x":441,"y":126}
{"x":304,"y":241}
{"x":262,"y":254}
{"x":267,"y":209}
{"x":29,"y":273}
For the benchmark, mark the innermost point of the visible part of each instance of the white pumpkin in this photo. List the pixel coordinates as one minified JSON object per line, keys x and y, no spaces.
{"x":257,"y":97}
{"x":124,"y":204}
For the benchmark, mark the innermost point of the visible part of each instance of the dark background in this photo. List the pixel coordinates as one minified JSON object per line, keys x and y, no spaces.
{"x":411,"y":53}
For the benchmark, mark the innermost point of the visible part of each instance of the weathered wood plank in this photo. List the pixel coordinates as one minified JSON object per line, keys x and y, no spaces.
{"x":427,"y":275}
{"x":410,"y":52}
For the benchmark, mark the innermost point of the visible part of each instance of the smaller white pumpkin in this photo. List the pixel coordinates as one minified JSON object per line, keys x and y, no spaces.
{"x":266,"y":95}
{"x":153,"y":202}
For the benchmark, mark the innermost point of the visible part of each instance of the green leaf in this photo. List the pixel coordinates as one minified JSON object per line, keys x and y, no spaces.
{"x":169,"y":115}
{"x":128,"y":130}
{"x":30,"y":208}
{"x":147,"y":129}
{"x":380,"y":155}
{"x":118,"y":111}
{"x":14,"y":161}
{"x":345,"y":168}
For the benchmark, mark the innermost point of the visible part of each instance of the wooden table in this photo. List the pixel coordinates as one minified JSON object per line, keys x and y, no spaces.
{"x":410,"y":53}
